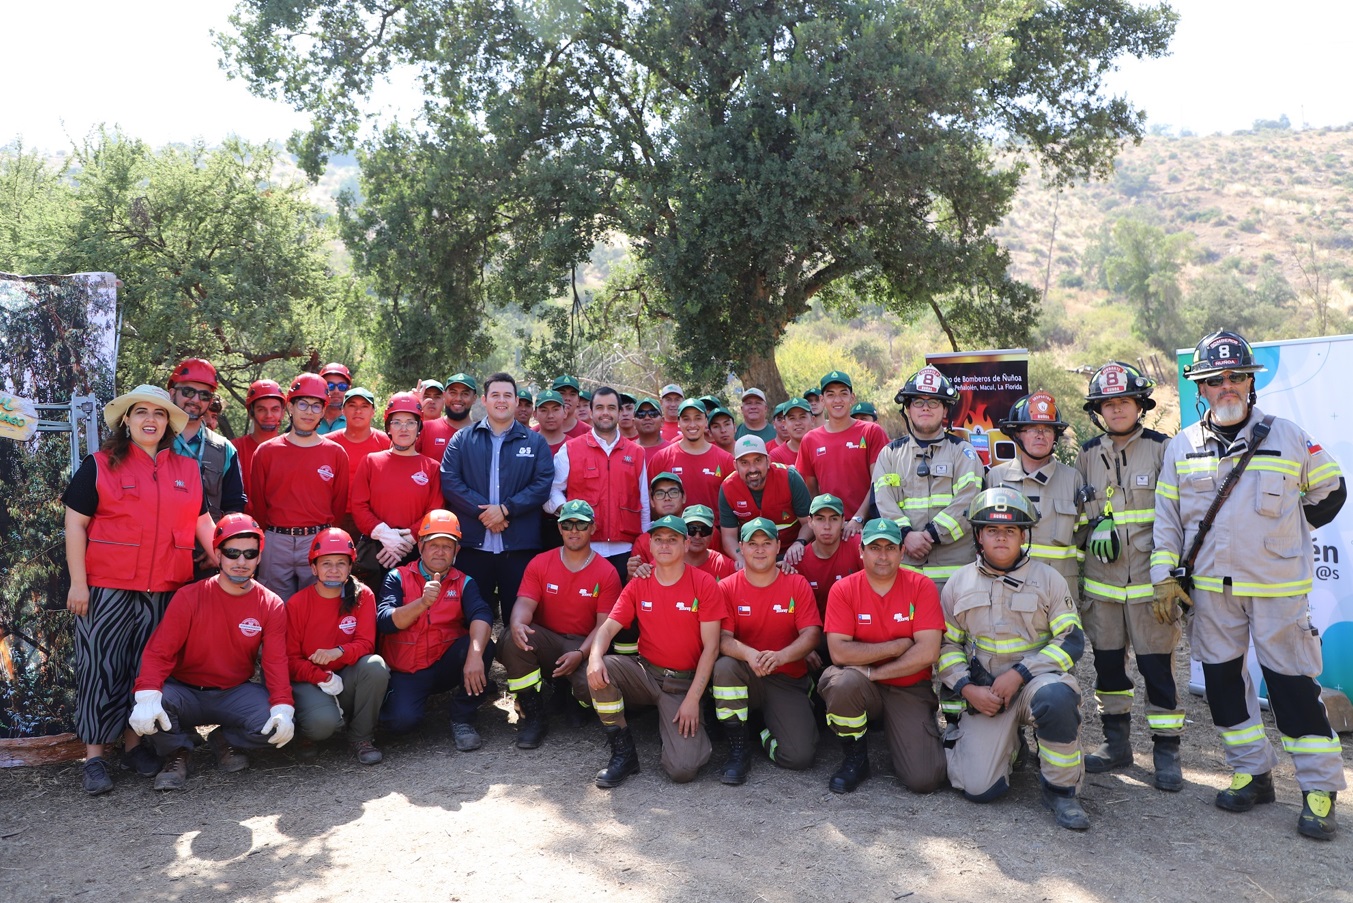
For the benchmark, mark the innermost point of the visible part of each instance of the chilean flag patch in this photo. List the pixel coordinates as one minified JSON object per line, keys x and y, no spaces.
{"x":745,"y":611}
{"x":646,"y":605}
{"x":864,"y":618}
{"x":551,"y":587}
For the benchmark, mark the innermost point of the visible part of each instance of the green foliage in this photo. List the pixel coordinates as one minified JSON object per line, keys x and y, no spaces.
{"x":1142,"y":263}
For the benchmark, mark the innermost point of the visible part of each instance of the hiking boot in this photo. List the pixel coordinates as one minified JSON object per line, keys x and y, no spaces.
{"x":366,"y":752}
{"x":1165,"y":757}
{"x":535,"y":723}
{"x":466,"y":737}
{"x":624,"y":758}
{"x":1246,"y":792}
{"x":739,"y":754}
{"x":174,"y":774}
{"x":142,"y":760}
{"x":95,"y":777}
{"x":1064,"y":805}
{"x":1317,"y":814}
{"x":228,"y":759}
{"x":854,"y":767}
{"x":1116,"y":750}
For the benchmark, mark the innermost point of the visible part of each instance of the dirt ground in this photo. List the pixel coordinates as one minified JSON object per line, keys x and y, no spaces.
{"x":504,"y":824}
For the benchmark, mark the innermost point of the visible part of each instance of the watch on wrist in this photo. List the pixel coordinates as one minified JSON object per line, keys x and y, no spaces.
{"x":857,"y":519}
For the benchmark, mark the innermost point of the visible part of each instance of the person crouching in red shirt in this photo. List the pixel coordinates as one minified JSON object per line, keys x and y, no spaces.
{"x":196,"y":669}
{"x":434,"y":629}
{"x":331,"y":635}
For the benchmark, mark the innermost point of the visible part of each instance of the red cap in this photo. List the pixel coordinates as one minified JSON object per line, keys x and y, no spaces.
{"x":194,"y":370}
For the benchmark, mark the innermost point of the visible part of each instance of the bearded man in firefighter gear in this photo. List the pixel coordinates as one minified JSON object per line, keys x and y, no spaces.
{"x":1251,"y":577}
{"x":1011,"y":639}
{"x":1120,"y":469}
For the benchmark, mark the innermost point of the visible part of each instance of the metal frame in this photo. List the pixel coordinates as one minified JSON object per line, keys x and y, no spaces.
{"x":82,"y":412}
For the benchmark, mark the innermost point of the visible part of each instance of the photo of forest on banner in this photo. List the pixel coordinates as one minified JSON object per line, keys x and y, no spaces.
{"x":58,"y":339}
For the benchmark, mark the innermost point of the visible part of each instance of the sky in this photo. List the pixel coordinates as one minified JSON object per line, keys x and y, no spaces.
{"x":151,"y":67}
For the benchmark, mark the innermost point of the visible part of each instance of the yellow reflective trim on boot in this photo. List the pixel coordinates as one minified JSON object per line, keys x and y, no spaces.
{"x":1165,"y":721}
{"x":517,"y":684}
{"x":1063,"y":760}
{"x":1319,"y":802}
{"x":1128,"y":693}
{"x":1312,"y":744}
{"x":1252,"y":734}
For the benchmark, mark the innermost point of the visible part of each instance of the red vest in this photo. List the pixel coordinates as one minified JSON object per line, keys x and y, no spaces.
{"x":609,"y":483}
{"x":777,"y":502}
{"x":141,"y":535}
{"x":426,"y":640}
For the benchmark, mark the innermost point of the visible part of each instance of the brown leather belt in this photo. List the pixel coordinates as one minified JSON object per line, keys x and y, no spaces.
{"x":297,"y":531}
{"x":660,"y":673}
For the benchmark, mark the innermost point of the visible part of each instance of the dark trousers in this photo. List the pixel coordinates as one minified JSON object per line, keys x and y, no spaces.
{"x":498,"y":576}
{"x":409,"y":690}
{"x":240,"y":711}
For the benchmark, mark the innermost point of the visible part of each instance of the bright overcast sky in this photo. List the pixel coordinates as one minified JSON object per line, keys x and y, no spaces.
{"x":150,"y":66}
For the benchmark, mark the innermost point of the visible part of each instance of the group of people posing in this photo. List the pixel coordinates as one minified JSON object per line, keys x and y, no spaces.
{"x":753,"y":581}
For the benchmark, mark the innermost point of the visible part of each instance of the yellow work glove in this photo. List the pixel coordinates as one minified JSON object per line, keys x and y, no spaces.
{"x":1167,"y":598}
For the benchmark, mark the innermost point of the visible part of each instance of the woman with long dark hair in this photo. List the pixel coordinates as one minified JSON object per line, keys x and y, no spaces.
{"x":133,"y":510}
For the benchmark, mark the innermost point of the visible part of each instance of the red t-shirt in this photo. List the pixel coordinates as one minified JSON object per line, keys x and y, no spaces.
{"x":843,"y":463}
{"x":650,"y":451}
{"x":719,"y":565}
{"x":856,"y":611}
{"x":358,"y":452}
{"x":701,"y":475}
{"x":435,"y":434}
{"x":670,"y":616}
{"x":822,"y":573}
{"x":783,"y":454}
{"x":245,"y":446}
{"x":581,"y":428}
{"x":396,"y":490}
{"x":770,"y":617}
{"x":568,"y":602}
{"x":209,"y":638}
{"x":299,"y":485}
{"x":671,"y":430}
{"x":314,"y":622}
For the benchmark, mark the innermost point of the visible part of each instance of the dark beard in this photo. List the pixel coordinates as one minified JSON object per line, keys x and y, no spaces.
{"x":452,"y":415}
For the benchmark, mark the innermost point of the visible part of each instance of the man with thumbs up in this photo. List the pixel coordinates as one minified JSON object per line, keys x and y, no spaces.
{"x":434,"y":630}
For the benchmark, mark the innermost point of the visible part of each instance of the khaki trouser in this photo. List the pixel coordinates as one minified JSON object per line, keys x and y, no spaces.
{"x":1116,"y":626}
{"x":908,"y":715}
{"x":319,"y":715}
{"x":791,"y":730}
{"x":984,"y":749}
{"x":635,"y":682}
{"x":527,"y":670}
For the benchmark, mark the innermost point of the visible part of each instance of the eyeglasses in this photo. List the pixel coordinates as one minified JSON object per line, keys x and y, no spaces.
{"x":666,"y":494}
{"x":309,"y":407}
{"x":204,"y":394}
{"x":926,"y":404}
{"x":574,"y":526}
{"x":699,"y":529}
{"x":644,"y":415}
{"x":1234,"y":379}
{"x":338,"y":387}
{"x":235,"y":554}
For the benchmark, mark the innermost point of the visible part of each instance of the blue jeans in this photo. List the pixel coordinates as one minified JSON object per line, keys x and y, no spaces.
{"x":409,"y":690}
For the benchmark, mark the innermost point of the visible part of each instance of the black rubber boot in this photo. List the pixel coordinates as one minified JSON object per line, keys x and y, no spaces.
{"x":854,"y":767}
{"x":1169,"y":774}
{"x":624,"y":758}
{"x":1317,"y":814}
{"x":739,"y":753}
{"x":1064,"y":805}
{"x":535,"y":723}
{"x":1116,"y":750}
{"x":1246,"y":792}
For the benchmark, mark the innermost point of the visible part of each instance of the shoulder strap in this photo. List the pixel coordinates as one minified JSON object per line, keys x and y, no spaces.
{"x":1257,"y":437}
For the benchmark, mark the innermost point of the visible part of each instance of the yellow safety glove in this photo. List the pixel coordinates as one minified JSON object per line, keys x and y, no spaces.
{"x":1167,"y":598}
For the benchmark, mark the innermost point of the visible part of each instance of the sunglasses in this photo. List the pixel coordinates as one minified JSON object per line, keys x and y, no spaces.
{"x":1234,"y":379}
{"x":338,"y":387}
{"x":666,"y":493}
{"x":204,"y":394}
{"x":236,"y":554}
{"x":699,"y":530}
{"x":644,"y":415}
{"x":574,"y":526}
{"x":309,"y":407}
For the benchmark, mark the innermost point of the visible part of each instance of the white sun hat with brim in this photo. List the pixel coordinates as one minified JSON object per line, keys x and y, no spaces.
{"x":115,"y":410}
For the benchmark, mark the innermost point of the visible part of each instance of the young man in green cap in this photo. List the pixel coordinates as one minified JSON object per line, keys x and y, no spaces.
{"x":771,"y":626}
{"x":798,"y":417}
{"x":701,"y":466}
{"x":723,"y":429}
{"x":666,"y":495}
{"x":526,"y":407}
{"x":838,"y":457}
{"x":830,"y":556}
{"x":571,"y":390}
{"x":550,"y":417}
{"x":700,"y":523}
{"x":457,"y":401}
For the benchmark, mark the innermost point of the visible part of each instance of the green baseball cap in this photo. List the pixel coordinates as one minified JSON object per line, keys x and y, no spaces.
{"x":669,"y":522}
{"x":666,"y":475}
{"x":698,"y":514}
{"x":826,"y":500}
{"x":627,"y":398}
{"x":549,"y":396}
{"x":565,"y":382}
{"x":465,"y":380}
{"x":585,"y":395}
{"x":425,"y":384}
{"x":648,"y":401}
{"x":799,"y":404}
{"x":812,"y":392}
{"x":720,"y":412}
{"x":577,"y":509}
{"x":779,"y":411}
{"x":836,"y":376}
{"x":759,"y":525}
{"x":864,"y":407}
{"x":524,"y":394}
{"x":881,"y":528}
{"x":359,"y":392}
{"x":691,"y":404}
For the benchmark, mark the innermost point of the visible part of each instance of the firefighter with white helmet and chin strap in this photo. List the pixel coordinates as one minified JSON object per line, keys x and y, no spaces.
{"x":1248,"y":579}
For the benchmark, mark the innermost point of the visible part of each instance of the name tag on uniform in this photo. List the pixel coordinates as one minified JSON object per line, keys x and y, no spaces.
{"x":1143,"y":479}
{"x":940,"y":470}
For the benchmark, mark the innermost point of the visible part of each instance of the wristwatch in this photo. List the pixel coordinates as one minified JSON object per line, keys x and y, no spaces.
{"x":857,"y":519}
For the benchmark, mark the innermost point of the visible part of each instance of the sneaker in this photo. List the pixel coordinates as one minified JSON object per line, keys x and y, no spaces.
{"x":142,"y":760}
{"x":367,"y":753}
{"x":467,"y":738}
{"x":174,"y":774}
{"x":95,"y":778}
{"x":228,"y":759}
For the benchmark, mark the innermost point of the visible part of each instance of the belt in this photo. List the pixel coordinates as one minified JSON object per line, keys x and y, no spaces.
{"x":297,"y":531}
{"x":660,"y":673}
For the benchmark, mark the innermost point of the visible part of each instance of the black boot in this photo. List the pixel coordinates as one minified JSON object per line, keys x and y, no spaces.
{"x":1116,"y":750}
{"x":1064,"y":805}
{"x":1169,"y":775}
{"x":1246,"y":792}
{"x":739,"y":753}
{"x":624,"y":758}
{"x":1317,"y":814}
{"x":535,"y":723}
{"x":854,"y":767}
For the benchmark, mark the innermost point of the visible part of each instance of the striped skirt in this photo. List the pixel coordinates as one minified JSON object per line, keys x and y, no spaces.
{"x":109,"y":640}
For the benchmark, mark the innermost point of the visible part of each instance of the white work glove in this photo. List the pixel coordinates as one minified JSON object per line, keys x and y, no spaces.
{"x":280,"y":725}
{"x":149,"y":716}
{"x":395,"y":544}
{"x":333,"y":686}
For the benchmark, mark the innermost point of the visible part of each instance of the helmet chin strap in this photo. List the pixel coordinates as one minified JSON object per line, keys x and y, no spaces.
{"x":1024,"y":550}
{"x":1099,"y":424}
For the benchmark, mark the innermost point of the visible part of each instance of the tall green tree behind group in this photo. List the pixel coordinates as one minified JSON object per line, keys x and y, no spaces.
{"x":754,"y":154}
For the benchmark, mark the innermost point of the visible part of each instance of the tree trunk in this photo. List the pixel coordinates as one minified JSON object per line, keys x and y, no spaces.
{"x":762,"y":372}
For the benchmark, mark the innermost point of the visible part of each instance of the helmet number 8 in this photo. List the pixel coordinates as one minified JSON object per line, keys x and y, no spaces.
{"x":1224,"y":351}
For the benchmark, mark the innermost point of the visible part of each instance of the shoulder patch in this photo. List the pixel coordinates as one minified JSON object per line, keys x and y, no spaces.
{"x":1089,"y":444}
{"x":899,"y":442}
{"x":1155,"y":436}
{"x":954,"y":440}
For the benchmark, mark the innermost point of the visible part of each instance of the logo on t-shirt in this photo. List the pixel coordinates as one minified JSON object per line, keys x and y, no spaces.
{"x":551,"y":587}
{"x":745,"y":611}
{"x":250,"y":627}
{"x":820,"y":450}
{"x":692,"y":606}
{"x":420,"y":478}
{"x":584,"y":591}
{"x":348,"y":625}
{"x":779,"y":609}
{"x":850,"y":444}
{"x":899,"y":617}
{"x":326,"y":473}
{"x":645,"y":605}
{"x":864,"y":618}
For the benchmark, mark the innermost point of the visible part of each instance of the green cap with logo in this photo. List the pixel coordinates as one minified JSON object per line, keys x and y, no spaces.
{"x":759,"y":525}
{"x":692,"y":404}
{"x":698,"y":514}
{"x":866,"y":408}
{"x":565,"y":382}
{"x":836,"y":376}
{"x":881,"y":528}
{"x":826,"y":500}
{"x":720,"y":412}
{"x":647,"y":402}
{"x":359,"y":392}
{"x":524,"y":394}
{"x":665,"y":475}
{"x":669,"y":522}
{"x":576,"y":509}
{"x":425,"y":384}
{"x":549,"y":396}
{"x":627,"y":398}
{"x":798,"y":404}
{"x":779,"y":411}
{"x":465,"y":380}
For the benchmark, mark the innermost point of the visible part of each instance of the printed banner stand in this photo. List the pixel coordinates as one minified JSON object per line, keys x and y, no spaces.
{"x":988,"y":383}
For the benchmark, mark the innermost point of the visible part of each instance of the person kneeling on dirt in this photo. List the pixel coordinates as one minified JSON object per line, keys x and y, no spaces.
{"x":434,"y":631}
{"x":1012,"y":637}
{"x":196,"y":669}
{"x":331,"y":635}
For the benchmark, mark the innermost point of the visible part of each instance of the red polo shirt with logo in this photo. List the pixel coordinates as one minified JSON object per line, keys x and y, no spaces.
{"x":670,"y":616}
{"x":856,"y":611}
{"x":770,"y":617}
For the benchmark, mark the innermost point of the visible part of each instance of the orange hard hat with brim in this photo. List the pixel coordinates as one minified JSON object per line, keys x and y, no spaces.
{"x":439,"y":522}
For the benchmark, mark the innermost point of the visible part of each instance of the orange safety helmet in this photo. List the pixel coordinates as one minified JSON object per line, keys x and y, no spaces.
{"x":233,"y":525}
{"x":308,"y":385}
{"x":439,"y":522}
{"x":336,"y":368}
{"x":332,"y":541}
{"x":194,"y":370}
{"x":260,"y":389}
{"x":403,"y":403}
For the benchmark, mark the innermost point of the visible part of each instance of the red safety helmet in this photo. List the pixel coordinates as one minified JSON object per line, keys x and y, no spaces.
{"x":260,"y":389}
{"x":236,"y":524}
{"x":336,"y":368}
{"x":403,"y":403}
{"x":308,"y":385}
{"x":194,"y":370}
{"x":332,"y":541}
{"x":439,"y":522}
